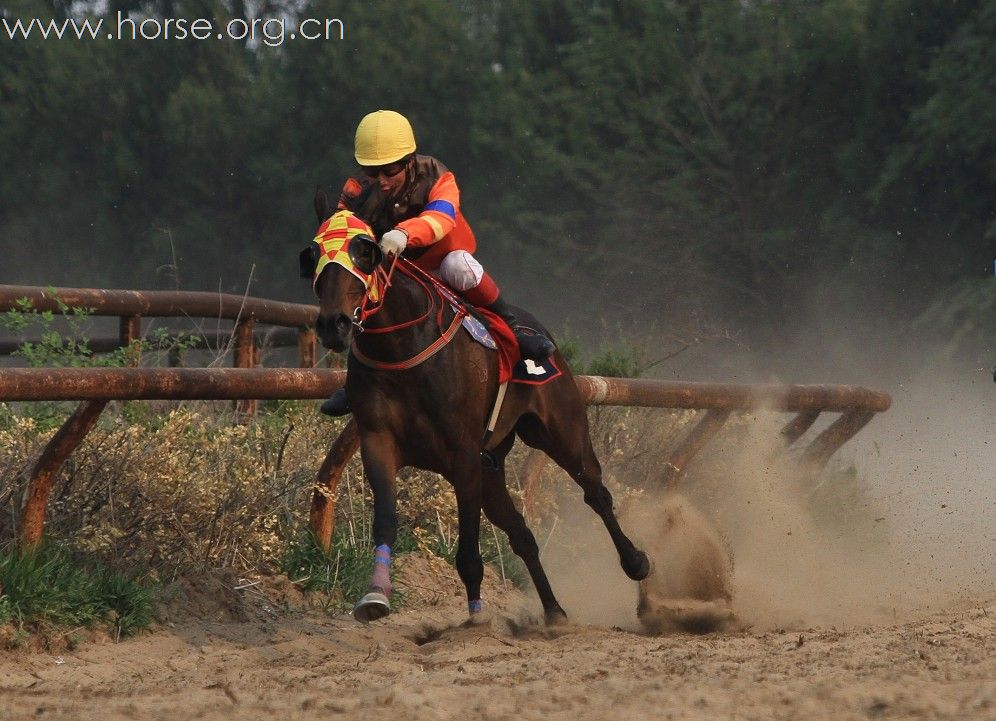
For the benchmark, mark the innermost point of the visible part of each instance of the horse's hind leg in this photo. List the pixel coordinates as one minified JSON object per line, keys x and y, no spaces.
{"x":565,"y":439}
{"x":502,"y":512}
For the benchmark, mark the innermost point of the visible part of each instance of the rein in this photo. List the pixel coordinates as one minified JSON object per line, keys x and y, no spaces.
{"x":369,"y":308}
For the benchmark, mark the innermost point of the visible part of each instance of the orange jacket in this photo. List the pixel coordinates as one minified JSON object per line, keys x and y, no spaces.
{"x":428,"y":209}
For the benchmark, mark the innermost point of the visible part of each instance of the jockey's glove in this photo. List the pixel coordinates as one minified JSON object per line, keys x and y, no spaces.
{"x":393,"y":241}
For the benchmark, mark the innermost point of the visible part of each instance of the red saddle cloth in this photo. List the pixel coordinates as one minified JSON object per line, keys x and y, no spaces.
{"x":501,"y":334}
{"x":504,"y":338}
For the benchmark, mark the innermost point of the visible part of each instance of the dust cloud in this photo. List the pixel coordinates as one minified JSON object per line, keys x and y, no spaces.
{"x":796,"y":566}
{"x":899,"y":526}
{"x":933,"y":463}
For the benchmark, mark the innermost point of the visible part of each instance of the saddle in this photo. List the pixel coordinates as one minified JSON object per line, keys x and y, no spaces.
{"x":523,"y":370}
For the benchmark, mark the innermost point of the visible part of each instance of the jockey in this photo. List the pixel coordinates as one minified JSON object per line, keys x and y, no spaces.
{"x":412,"y":202}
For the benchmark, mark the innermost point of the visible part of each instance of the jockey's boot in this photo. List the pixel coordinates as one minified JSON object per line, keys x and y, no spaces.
{"x":337,"y":405}
{"x":533,"y":345}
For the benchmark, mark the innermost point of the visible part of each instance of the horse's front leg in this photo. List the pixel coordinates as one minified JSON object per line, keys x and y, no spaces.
{"x":466,"y":480}
{"x":380,"y":464}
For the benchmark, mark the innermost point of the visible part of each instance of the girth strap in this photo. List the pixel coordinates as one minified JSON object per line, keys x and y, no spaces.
{"x":495,"y":412}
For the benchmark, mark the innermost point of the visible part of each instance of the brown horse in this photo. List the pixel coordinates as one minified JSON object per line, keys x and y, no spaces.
{"x":433,"y":415}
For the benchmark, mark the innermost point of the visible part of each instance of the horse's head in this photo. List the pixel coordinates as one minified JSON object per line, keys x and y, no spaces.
{"x":341,"y":261}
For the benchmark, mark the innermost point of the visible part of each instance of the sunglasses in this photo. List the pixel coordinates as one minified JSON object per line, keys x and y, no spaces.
{"x":388,"y":171}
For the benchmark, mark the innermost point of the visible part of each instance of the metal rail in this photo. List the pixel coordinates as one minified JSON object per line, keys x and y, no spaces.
{"x":276,"y":337}
{"x":246,"y":385}
{"x":69,"y":384}
{"x":137,"y":384}
{"x":159,"y":304}
{"x":96,"y":386}
{"x":130,"y":306}
{"x":730,"y":396}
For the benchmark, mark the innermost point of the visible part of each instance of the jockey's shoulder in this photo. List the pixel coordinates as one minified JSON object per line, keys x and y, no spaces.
{"x":427,"y":166}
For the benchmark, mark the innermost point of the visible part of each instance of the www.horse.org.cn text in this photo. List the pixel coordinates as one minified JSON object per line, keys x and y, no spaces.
{"x":269,"y":31}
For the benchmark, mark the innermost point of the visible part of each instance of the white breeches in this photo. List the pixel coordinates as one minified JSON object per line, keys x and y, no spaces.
{"x":460,"y":270}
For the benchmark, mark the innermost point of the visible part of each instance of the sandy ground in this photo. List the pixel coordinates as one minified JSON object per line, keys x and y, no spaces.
{"x":888,"y":613}
{"x":257,"y":662}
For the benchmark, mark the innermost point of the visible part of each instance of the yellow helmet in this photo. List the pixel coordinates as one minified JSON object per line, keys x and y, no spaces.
{"x":383,"y":137}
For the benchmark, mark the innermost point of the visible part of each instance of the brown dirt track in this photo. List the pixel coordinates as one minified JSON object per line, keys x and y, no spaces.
{"x":889,"y":614}
{"x":422,"y":663}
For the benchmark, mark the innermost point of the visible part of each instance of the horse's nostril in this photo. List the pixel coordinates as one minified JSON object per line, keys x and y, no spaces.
{"x":334,"y":329}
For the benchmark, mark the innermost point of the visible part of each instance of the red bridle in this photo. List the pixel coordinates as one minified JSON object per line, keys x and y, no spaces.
{"x":428,"y":283}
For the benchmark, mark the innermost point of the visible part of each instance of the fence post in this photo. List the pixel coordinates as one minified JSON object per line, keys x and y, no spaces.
{"x":837,"y":434}
{"x":63,"y":443}
{"x":327,"y":482}
{"x":529,"y":477}
{"x":130,"y":337}
{"x":307,"y":347}
{"x":795,"y":428}
{"x":244,"y":356}
{"x":711,"y":423}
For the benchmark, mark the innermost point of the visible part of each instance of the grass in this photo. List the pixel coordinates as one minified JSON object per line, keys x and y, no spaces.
{"x":49,"y":585}
{"x":496,"y":551}
{"x":342,"y":572}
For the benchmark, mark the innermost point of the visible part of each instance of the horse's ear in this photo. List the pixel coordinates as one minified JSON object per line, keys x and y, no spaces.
{"x":308,"y":259}
{"x":323,"y":208}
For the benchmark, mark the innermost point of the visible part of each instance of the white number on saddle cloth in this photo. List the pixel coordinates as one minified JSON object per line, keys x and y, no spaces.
{"x":533,"y":369}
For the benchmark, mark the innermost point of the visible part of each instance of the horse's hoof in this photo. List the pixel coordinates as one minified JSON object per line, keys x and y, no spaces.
{"x":556,"y":617}
{"x":484,"y":617}
{"x":371,"y":607}
{"x":640,"y":569}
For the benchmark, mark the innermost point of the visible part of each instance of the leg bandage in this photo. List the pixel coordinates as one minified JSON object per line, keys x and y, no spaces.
{"x":382,"y":569}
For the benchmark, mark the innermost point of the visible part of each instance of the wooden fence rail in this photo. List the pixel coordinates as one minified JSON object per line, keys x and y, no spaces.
{"x":131,"y":306}
{"x":96,"y":386}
